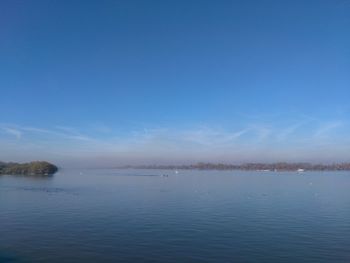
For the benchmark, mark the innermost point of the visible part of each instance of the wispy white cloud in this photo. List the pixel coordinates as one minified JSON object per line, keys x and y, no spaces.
{"x":202,"y":142}
{"x":262,"y":132}
{"x":67,"y":133}
{"x":326,"y":129}
{"x":210,"y":136}
{"x":285,"y":133}
{"x":15,"y":132}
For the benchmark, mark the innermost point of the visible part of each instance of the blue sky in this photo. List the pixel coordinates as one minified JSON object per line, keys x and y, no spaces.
{"x":115,"y":82}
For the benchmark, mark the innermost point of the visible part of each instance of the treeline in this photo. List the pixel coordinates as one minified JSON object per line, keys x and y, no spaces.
{"x":32,"y":168}
{"x":282,"y":166}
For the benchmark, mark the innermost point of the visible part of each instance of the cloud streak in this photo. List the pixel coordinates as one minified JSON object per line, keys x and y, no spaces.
{"x":326,"y":129}
{"x":248,"y":142}
{"x":25,"y":131}
{"x":14,"y":132}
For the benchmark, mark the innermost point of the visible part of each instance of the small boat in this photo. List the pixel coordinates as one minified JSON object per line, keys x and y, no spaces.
{"x":300,"y":170}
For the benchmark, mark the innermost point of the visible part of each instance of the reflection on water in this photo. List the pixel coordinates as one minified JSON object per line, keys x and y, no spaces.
{"x":33,"y":176}
{"x":162,"y":216}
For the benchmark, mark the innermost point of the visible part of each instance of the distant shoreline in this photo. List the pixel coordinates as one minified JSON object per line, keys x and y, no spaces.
{"x":266,"y":167}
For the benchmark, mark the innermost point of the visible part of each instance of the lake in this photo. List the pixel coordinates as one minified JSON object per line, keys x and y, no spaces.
{"x":115,"y":215}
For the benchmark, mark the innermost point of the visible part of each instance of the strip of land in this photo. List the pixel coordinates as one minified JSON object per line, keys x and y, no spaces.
{"x":281,"y":166}
{"x":32,"y":168}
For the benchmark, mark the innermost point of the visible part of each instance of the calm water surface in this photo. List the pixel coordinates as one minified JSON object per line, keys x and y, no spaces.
{"x":193,"y":216}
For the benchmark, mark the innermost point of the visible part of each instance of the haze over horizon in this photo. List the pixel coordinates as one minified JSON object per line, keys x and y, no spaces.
{"x":176,"y":82}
